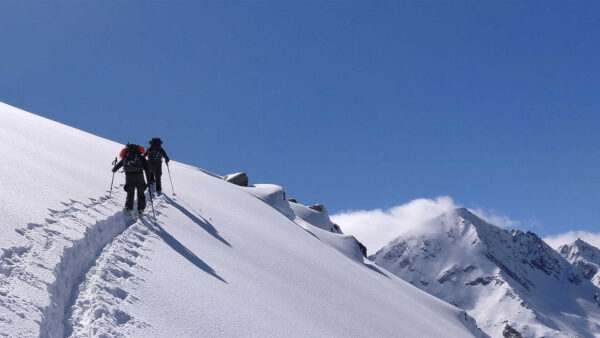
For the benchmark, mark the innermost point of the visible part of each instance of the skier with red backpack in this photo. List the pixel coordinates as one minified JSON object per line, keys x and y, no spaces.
{"x":134,"y":164}
{"x":155,"y":154}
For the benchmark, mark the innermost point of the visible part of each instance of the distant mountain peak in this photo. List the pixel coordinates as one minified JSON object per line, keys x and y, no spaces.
{"x":585,"y":259}
{"x":475,"y":265}
{"x":475,"y":220}
{"x":580,"y":243}
{"x":464,"y":212}
{"x":456,"y":220}
{"x":580,"y":248}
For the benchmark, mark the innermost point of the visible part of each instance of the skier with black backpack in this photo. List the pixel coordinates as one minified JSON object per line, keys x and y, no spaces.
{"x":155,"y":154}
{"x":134,"y":164}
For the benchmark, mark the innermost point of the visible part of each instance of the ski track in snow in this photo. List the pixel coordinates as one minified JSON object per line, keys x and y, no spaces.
{"x":96,"y":309}
{"x":99,"y":247}
{"x":68,"y":246}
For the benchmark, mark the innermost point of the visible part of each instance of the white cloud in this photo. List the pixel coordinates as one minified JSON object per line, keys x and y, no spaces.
{"x":376,"y":228}
{"x":492,"y":217}
{"x":568,"y":237}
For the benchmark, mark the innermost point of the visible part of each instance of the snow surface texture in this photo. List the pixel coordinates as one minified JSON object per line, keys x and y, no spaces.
{"x":218,"y":262}
{"x":510,"y":282}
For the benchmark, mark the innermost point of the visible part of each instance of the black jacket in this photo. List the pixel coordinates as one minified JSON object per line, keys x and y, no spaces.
{"x":162,"y":153}
{"x":144,"y":168}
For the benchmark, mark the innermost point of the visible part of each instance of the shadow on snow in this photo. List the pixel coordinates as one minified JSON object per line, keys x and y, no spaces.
{"x":201,"y":222}
{"x":181,"y":249}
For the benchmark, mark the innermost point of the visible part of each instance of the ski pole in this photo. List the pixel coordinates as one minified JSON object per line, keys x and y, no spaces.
{"x":111,"y":185}
{"x":113,"y":179}
{"x":169,"y":170}
{"x":152,"y":204}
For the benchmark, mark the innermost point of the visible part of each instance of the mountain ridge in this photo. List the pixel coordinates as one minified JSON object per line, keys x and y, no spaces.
{"x":585,"y":258}
{"x":508,"y":280}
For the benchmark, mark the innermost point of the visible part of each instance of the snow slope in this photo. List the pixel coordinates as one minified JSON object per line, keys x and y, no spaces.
{"x":221,"y":260}
{"x":510,"y":282}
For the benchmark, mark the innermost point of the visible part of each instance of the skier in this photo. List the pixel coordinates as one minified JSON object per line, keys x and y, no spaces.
{"x":134,"y":163}
{"x":155,"y":155}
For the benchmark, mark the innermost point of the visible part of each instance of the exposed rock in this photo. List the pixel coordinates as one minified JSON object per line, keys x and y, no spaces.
{"x":240,"y":179}
{"x":449,"y":276}
{"x":470,"y":268}
{"x":588,"y":269}
{"x":575,"y":279}
{"x":293,"y":200}
{"x":510,"y":332}
{"x":363,"y":249}
{"x":481,"y":281}
{"x":394,"y":251}
{"x":318,"y":207}
{"x":336,"y":229}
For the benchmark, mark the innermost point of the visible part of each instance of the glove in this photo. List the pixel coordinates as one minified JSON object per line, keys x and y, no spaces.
{"x":114,"y":170}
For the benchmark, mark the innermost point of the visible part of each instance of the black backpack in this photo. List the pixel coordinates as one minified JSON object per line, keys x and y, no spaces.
{"x":132,"y":161}
{"x":154,"y":153}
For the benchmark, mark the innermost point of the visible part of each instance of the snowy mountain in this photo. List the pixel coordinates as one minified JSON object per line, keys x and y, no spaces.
{"x":220,"y":260}
{"x":585,"y":258}
{"x":512,"y":283}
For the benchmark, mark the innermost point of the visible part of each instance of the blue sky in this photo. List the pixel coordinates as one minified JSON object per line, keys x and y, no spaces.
{"x":358,"y":105}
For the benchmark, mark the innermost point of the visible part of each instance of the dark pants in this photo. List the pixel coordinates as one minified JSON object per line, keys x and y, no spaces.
{"x":155,"y":173}
{"x":135,"y":181}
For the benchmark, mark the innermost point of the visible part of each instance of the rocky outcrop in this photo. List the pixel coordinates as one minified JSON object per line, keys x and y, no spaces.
{"x":481,"y":281}
{"x":510,"y":332}
{"x":363,"y":249}
{"x":240,"y":179}
{"x":318,"y":207}
{"x":336,"y":228}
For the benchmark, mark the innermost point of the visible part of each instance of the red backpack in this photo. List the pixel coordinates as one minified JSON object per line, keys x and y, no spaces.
{"x":132,"y":158}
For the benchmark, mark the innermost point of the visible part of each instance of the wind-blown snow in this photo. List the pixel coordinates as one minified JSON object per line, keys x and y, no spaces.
{"x":221,"y":260}
{"x":558,"y":240}
{"x":376,"y":228}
